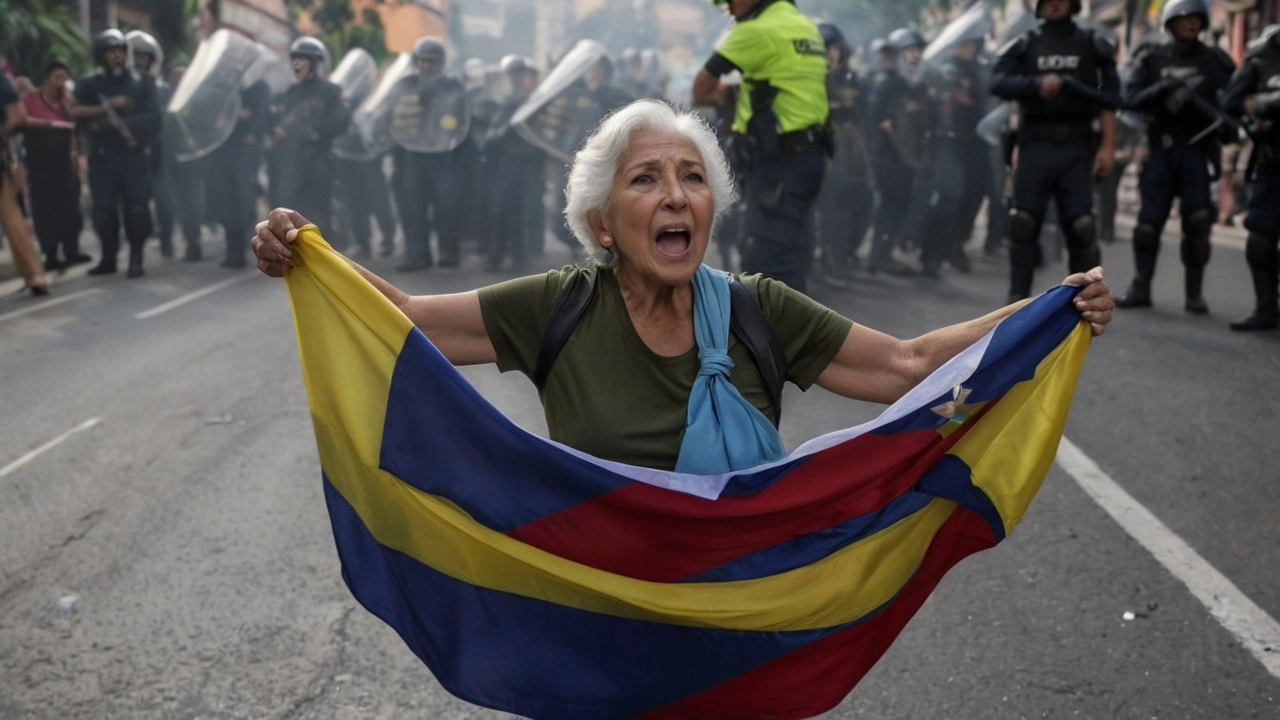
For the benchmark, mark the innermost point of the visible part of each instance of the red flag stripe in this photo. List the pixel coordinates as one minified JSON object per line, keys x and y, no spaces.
{"x":822,"y":671}
{"x":651,"y":533}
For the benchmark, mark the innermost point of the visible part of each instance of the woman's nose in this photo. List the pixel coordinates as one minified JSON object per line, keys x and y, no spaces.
{"x":676,"y":198}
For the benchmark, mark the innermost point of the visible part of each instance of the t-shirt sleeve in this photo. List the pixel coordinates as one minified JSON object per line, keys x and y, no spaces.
{"x":747,"y":47}
{"x":810,"y":332}
{"x":515,"y":317}
{"x":8,"y":95}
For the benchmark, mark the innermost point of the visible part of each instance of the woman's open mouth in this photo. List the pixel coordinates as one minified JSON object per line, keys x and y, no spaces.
{"x":675,"y":241}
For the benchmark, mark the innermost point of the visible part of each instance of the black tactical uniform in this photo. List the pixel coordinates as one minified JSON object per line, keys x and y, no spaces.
{"x":232,"y":170}
{"x":1177,"y":85}
{"x":425,"y":183}
{"x":363,"y":190}
{"x":517,"y":172}
{"x":962,"y":174}
{"x":845,"y":202}
{"x":1056,"y":138}
{"x":148,"y":59}
{"x":119,"y":176}
{"x":903,"y":105}
{"x":309,"y":117}
{"x":1254,"y":94}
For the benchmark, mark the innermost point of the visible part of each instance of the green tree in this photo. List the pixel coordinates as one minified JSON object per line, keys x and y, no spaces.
{"x":34,"y":32}
{"x":339,"y":30}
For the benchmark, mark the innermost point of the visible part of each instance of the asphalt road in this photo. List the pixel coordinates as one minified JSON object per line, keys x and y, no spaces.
{"x":165,"y":551}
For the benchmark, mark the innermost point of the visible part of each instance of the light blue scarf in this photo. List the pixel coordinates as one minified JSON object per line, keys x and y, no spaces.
{"x":723,"y":432}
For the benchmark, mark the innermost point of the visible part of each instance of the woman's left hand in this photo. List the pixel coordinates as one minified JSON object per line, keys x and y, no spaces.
{"x":1094,"y":300}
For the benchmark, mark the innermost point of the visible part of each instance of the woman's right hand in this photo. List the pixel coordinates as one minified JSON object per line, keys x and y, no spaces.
{"x":271,"y":241}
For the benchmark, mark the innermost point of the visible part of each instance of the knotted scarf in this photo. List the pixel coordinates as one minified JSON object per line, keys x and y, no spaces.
{"x":723,"y":432}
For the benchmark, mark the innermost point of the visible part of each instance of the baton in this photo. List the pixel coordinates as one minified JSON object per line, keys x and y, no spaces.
{"x":118,"y":123}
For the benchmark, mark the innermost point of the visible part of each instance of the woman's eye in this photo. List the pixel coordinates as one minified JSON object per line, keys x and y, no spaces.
{"x":642,"y":179}
{"x":695,"y":177}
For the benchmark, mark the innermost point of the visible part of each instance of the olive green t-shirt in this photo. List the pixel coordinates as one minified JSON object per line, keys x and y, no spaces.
{"x":782,"y":47}
{"x":612,"y":397}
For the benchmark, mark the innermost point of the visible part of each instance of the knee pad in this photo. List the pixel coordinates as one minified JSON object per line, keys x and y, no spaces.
{"x":1197,"y":223}
{"x":137,"y":223}
{"x":1196,"y":249}
{"x":1146,"y":238}
{"x":1082,"y":233}
{"x":1260,"y":251}
{"x":1024,"y":228}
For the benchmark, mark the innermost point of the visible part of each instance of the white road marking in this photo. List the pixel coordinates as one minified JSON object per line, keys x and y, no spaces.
{"x":1257,"y":631}
{"x":45,"y":304}
{"x":45,"y":447}
{"x":178,"y":302}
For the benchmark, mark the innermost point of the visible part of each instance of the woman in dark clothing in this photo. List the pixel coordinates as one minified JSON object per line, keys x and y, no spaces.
{"x":53,"y":183}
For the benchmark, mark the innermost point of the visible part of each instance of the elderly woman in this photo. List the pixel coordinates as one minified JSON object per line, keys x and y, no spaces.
{"x":645,"y":195}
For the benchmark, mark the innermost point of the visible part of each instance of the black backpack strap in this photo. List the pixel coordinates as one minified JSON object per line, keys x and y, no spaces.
{"x":565,"y":316}
{"x":748,"y":323}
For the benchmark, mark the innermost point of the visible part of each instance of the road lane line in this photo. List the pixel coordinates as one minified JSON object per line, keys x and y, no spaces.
{"x":178,"y":302}
{"x":45,"y":304}
{"x":1252,"y":626}
{"x":45,"y":447}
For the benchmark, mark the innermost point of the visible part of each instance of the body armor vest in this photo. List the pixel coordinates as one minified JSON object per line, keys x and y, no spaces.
{"x":1195,"y":66}
{"x":848,"y":120}
{"x":1268,"y":65}
{"x":1070,"y":53}
{"x":969,"y":78}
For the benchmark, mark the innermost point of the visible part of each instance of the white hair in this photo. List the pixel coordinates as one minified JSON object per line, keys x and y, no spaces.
{"x":594,"y":166}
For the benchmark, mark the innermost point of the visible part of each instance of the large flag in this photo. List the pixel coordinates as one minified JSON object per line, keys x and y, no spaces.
{"x":537,"y":580}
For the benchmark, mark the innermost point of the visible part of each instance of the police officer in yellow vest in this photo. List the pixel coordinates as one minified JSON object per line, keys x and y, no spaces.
{"x":780,"y":137}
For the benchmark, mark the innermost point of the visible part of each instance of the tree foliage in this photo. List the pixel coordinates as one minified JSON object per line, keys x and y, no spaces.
{"x":339,"y":30}
{"x":34,"y":32}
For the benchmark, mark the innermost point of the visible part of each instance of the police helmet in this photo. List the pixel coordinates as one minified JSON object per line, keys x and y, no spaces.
{"x":1075,"y":7}
{"x":1181,"y":8}
{"x":878,"y":46}
{"x":312,"y":49}
{"x":605,"y":63}
{"x":428,"y":47}
{"x":141,"y":43}
{"x":831,"y":35}
{"x":513,"y":64}
{"x":903,"y":38}
{"x":106,"y":40}
{"x":1267,"y":40}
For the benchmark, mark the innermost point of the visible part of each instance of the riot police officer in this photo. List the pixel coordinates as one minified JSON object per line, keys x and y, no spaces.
{"x":517,"y":172}
{"x":1254,"y":94}
{"x":901,"y":121}
{"x":963,"y":174}
{"x":148,"y":61}
{"x":780,"y":124}
{"x":1177,"y":85}
{"x":424,"y":181}
{"x":1064,"y":79}
{"x":845,"y":201}
{"x":311,"y":115}
{"x":117,"y":115}
{"x":232,"y":171}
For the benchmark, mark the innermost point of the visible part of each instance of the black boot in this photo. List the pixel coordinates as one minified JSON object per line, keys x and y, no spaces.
{"x":135,"y":260}
{"x":1264,"y":266}
{"x":109,"y":233}
{"x":1137,"y":296}
{"x":194,"y":253}
{"x":1194,"y":283}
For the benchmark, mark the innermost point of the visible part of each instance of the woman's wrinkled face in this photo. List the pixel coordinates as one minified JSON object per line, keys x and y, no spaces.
{"x":660,"y":210}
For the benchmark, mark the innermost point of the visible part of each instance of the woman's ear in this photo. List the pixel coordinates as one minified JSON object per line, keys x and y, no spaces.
{"x":596,"y":223}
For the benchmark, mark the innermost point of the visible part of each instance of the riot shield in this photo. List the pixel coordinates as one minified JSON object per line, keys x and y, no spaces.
{"x":560,"y":113}
{"x":206,"y":104}
{"x":913,"y":130}
{"x":1019,"y":26}
{"x":972,"y":25}
{"x":992,"y":124}
{"x":271,"y":67}
{"x":434,"y":121}
{"x":356,"y":74}
{"x":371,"y":118}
